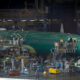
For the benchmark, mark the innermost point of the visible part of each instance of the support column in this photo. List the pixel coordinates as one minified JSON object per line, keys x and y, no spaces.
{"x":12,"y":62}
{"x":25,"y":3}
{"x":22,"y":65}
{"x":4,"y":63}
{"x":45,"y":16}
{"x":42,"y":4}
{"x":45,"y":26}
{"x":36,"y":8}
{"x":36,"y":4}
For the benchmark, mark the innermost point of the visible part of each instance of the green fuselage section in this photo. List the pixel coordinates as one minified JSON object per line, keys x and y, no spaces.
{"x":42,"y":42}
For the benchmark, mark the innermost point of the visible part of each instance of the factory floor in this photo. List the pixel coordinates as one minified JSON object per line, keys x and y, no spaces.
{"x":12,"y":79}
{"x":61,"y":76}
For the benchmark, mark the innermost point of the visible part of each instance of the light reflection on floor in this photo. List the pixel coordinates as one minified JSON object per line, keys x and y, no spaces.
{"x":14,"y":79}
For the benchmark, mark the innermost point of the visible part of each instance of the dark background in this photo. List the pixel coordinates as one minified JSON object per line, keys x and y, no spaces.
{"x":14,"y":4}
{"x":19,"y":4}
{"x":65,"y":10}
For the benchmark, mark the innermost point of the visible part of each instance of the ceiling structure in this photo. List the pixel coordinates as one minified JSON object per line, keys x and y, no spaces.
{"x":19,"y":4}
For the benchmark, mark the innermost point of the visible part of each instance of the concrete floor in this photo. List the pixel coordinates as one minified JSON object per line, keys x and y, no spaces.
{"x":61,"y":76}
{"x":13,"y":79}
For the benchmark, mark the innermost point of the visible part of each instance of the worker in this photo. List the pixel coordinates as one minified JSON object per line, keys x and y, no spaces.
{"x":57,"y":64}
{"x":61,"y":44}
{"x":71,"y":66}
{"x":75,"y":45}
{"x":75,"y":66}
{"x":61,"y":66}
{"x":66,"y":66}
{"x":70,"y":45}
{"x":37,"y":73}
{"x":52,"y":50}
{"x":60,"y":50}
{"x":70,"y":40}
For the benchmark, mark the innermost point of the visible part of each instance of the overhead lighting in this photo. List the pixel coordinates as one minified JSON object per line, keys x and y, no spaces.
{"x":41,"y":20}
{"x":32,"y":20}
{"x":2,"y":29}
{"x":23,"y":20}
{"x":10,"y":20}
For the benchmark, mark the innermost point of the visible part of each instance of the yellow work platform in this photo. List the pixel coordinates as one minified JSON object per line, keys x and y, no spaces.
{"x":54,"y":71}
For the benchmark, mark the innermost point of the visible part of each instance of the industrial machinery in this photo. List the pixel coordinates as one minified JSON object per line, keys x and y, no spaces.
{"x":25,"y":48}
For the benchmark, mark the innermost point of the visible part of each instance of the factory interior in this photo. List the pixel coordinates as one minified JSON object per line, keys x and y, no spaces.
{"x":39,"y":39}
